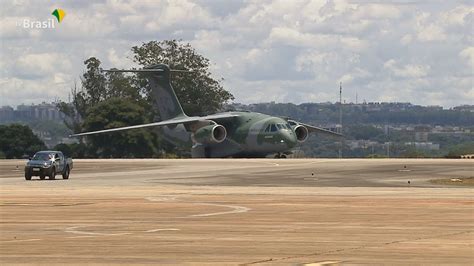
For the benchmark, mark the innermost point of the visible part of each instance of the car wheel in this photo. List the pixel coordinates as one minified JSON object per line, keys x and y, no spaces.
{"x":66,"y":173}
{"x":27,"y":176}
{"x":52,"y":175}
{"x":42,"y":177}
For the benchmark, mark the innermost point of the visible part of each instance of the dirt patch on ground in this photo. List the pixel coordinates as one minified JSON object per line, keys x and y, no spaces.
{"x":463,"y":181}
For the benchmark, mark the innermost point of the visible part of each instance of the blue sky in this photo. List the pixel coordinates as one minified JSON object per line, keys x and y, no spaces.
{"x":284,"y":51}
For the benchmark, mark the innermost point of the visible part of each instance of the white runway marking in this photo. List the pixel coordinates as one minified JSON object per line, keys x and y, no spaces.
{"x":73,"y":230}
{"x":85,"y":234}
{"x":80,"y":236}
{"x":235,"y":209}
{"x":20,"y":240}
{"x":294,"y":164}
{"x":161,"y":198}
{"x":164,"y":229}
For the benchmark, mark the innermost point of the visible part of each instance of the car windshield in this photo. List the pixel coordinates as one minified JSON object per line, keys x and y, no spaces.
{"x":41,"y":156}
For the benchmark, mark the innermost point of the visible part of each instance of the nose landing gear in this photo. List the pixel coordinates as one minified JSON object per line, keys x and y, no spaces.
{"x":280,"y":156}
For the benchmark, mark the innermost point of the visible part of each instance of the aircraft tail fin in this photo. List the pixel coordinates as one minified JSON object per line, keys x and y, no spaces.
{"x":163,"y":95}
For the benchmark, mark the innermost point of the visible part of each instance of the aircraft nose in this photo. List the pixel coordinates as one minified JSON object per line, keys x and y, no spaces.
{"x":289,"y":138}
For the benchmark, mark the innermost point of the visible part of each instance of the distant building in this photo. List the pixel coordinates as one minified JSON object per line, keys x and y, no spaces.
{"x":6,"y":113}
{"x":464,"y":108}
{"x":435,"y":107}
{"x":423,"y":145}
{"x":43,"y":111}
{"x":361,"y":144}
{"x":421,"y":133}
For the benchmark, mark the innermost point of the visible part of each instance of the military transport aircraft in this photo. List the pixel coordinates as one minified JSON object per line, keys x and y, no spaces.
{"x":227,"y":134}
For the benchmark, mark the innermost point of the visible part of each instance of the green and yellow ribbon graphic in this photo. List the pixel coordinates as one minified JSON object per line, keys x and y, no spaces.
{"x":59,"y":14}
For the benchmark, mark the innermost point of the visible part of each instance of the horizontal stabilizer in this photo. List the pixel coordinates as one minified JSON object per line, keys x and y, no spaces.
{"x":151,"y":70}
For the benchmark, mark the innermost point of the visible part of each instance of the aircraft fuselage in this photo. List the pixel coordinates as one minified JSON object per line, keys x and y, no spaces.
{"x":248,"y":134}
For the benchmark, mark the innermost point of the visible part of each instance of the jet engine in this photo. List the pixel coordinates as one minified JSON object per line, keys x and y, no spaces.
{"x":210,"y":134}
{"x":301,"y":133}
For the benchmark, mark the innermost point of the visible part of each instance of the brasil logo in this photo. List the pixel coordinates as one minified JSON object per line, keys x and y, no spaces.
{"x":59,"y":14}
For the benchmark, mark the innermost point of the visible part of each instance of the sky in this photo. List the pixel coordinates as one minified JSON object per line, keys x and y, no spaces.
{"x":284,"y":51}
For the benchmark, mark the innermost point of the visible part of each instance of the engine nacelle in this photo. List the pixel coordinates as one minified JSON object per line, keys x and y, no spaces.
{"x":210,"y":134}
{"x":301,"y":133}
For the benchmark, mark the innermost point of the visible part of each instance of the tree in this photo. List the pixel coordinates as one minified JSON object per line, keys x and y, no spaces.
{"x":197,"y":91}
{"x":363,"y":131}
{"x":92,"y":91}
{"x":118,"y":112}
{"x":17,"y":140}
{"x":461,"y":149}
{"x":75,"y":110}
{"x":94,"y":82}
{"x":74,"y":150}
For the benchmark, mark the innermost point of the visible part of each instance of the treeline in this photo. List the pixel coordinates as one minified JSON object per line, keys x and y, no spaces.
{"x":18,"y":141}
{"x":324,"y":113}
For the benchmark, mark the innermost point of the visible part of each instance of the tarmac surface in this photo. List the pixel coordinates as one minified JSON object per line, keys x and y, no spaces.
{"x":239,"y":211}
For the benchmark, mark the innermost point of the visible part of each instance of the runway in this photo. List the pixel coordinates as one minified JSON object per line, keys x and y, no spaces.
{"x":240,"y":212}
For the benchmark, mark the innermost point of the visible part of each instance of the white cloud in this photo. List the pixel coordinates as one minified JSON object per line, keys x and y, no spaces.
{"x":294,"y":51}
{"x":119,"y":60}
{"x":408,"y":70}
{"x":457,"y":15}
{"x":376,"y":11}
{"x":431,"y":33}
{"x":42,"y":64}
{"x":468,"y":54}
{"x":407,"y":39}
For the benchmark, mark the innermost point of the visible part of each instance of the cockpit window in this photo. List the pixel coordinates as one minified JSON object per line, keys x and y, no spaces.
{"x":276,"y":127}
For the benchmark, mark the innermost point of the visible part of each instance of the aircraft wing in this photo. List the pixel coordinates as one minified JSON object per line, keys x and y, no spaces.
{"x":169,"y":122}
{"x":319,"y":130}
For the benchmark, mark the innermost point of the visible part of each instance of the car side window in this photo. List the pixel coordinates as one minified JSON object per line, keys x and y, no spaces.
{"x":267,"y":129}
{"x":273,"y":128}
